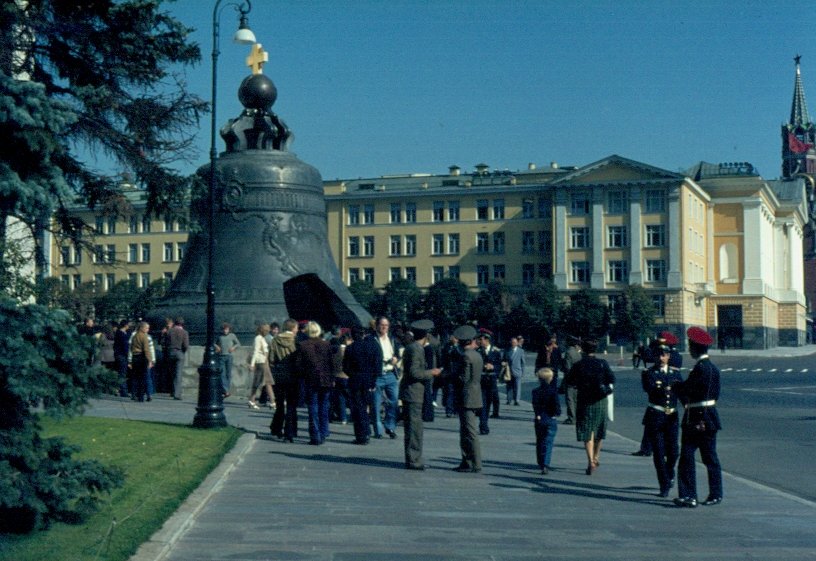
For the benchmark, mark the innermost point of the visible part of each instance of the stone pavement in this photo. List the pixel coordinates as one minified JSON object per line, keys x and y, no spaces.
{"x":270,"y":500}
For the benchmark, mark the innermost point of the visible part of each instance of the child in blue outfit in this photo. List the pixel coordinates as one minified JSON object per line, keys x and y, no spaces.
{"x":546,"y":408}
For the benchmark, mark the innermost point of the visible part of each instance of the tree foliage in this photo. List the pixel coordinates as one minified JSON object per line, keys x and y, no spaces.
{"x":447,"y":304}
{"x":93,"y":77}
{"x":44,"y":363}
{"x":586,"y":316}
{"x":634,"y":315}
{"x":401,"y":301}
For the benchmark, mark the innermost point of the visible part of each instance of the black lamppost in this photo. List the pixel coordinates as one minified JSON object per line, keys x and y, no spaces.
{"x":210,"y":409}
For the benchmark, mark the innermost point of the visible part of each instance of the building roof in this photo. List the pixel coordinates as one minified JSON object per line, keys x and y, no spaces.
{"x":799,"y":113}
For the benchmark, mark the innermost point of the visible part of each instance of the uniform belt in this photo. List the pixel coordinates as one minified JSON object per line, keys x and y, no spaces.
{"x":709,"y":403}
{"x":666,"y":410}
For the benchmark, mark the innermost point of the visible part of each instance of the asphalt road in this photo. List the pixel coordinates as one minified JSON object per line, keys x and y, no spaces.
{"x":768,"y":411}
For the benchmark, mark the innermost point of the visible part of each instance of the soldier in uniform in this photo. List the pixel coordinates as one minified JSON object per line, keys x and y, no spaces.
{"x":467,"y":379}
{"x":412,"y":392}
{"x":660,"y":420}
{"x":491,"y":359}
{"x":699,"y":394}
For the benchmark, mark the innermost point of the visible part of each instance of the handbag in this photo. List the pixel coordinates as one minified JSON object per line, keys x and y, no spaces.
{"x":506,"y":374}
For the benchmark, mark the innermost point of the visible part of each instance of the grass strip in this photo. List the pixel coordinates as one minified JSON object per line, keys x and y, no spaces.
{"x":163,"y":464}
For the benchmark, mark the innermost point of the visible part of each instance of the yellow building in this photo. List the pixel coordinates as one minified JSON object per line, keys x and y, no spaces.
{"x":717,"y":246}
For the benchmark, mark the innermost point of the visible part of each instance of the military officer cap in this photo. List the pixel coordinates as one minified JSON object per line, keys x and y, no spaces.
{"x":669,"y":338}
{"x":699,"y":336}
{"x":486,"y":333}
{"x":421,"y":327}
{"x":465,"y":333}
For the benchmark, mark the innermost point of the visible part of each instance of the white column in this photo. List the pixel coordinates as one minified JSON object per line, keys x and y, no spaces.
{"x":598,"y":270}
{"x":752,"y":250}
{"x":559,"y":232}
{"x":636,"y":237}
{"x":674,"y":277}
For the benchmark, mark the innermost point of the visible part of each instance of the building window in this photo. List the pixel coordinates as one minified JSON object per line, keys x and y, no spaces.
{"x":110,"y":280}
{"x":482,"y":275}
{"x":498,"y":242}
{"x":527,"y":242}
{"x":353,"y":275}
{"x":146,"y":224}
{"x":498,"y":209}
{"x":580,"y":271}
{"x":111,"y":253}
{"x":368,"y":246}
{"x":618,"y":271}
{"x":544,"y":207}
{"x":410,"y":212}
{"x":527,"y":208}
{"x":482,"y":242}
{"x":481,"y":209}
{"x":65,"y":255}
{"x":499,"y":272}
{"x":453,"y":244}
{"x":616,"y":236}
{"x":659,"y":303}
{"x":453,"y":211}
{"x":98,"y":254}
{"x":579,"y":204}
{"x":168,"y":252}
{"x":145,"y":280}
{"x":133,"y":279}
{"x":353,"y":215}
{"x":100,"y":225}
{"x":168,"y":224}
{"x":410,"y":274}
{"x":527,"y":274}
{"x":655,"y":235}
{"x":613,"y":303}
{"x":617,"y":202}
{"x":438,"y":273}
{"x":112,"y":225}
{"x":133,"y":225}
{"x":77,"y":281}
{"x":368,"y":275}
{"x":396,"y":213}
{"x":394,"y":274}
{"x":655,"y":270}
{"x":145,"y":253}
{"x":453,"y":272}
{"x":354,"y":246}
{"x":181,"y":248}
{"x":544,"y":242}
{"x":437,"y":244}
{"x":368,"y":214}
{"x":133,"y":253}
{"x":396,"y":246}
{"x":410,"y":245}
{"x":65,"y":280}
{"x":655,"y":200}
{"x":438,"y":211}
{"x":579,"y":237}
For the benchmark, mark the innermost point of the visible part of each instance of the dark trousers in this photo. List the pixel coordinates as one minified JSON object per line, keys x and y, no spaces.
{"x":125,"y":388}
{"x":490,"y":396}
{"x":661,"y":433}
{"x":427,"y":404}
{"x":284,"y":422}
{"x":340,"y":398}
{"x":645,"y":442}
{"x":139,"y":373}
{"x":359,"y":398}
{"x":706,"y":441}
{"x":317,"y":400}
{"x":412,"y":412}
{"x":449,"y":397}
{"x":469,"y":440}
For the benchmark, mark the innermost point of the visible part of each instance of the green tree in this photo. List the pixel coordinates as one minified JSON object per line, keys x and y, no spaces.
{"x":447,"y":304}
{"x":545,"y":308}
{"x":44,"y":363}
{"x":585,"y":316}
{"x":401,"y":300}
{"x":635,"y":315}
{"x":366,"y":295}
{"x":13,"y":283}
{"x":118,"y":302}
{"x":93,"y":77}
{"x":491,"y":305}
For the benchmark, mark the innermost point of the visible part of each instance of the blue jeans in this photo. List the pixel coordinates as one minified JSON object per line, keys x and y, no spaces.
{"x":225,"y":363}
{"x":545,"y":430}
{"x":385,"y":385}
{"x":318,"y":400}
{"x":340,"y":398}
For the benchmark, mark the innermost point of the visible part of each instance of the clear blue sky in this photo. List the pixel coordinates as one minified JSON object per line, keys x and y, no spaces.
{"x":396,"y":86}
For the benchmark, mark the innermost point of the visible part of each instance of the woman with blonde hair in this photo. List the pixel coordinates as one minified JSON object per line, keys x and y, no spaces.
{"x":259,"y":366}
{"x":314,"y":364}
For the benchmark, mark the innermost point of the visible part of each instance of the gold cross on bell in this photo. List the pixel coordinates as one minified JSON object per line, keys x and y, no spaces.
{"x":256,"y":59}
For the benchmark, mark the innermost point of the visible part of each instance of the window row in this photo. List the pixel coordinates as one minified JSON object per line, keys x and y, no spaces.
{"x":618,"y":271}
{"x":617,"y":236}
{"x":617,"y":202}
{"x":447,"y":211}
{"x":107,"y":225}
{"x":106,"y":281}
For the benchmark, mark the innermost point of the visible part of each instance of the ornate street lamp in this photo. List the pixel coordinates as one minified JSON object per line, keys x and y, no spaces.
{"x":210,"y":409}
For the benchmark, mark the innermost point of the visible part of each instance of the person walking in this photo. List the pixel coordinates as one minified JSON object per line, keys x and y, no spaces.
{"x":362,"y":362}
{"x":594,"y":380}
{"x":660,"y":420}
{"x":545,"y":408}
{"x":314,"y":364}
{"x":412,"y":392}
{"x":701,"y":422}
{"x":287,"y":393}
{"x":179,"y":342}
{"x":225,"y":345}
{"x":259,"y":366}
{"x":467,"y":376}
{"x":386,"y":390}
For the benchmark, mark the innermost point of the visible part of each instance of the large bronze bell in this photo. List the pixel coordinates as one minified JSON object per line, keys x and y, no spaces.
{"x":272,"y":259}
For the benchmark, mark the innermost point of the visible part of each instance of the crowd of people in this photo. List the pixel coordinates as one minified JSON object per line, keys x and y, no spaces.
{"x":382,"y":377}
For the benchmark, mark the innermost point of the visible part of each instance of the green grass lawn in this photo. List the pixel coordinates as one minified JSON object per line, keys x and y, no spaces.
{"x":162,"y":463}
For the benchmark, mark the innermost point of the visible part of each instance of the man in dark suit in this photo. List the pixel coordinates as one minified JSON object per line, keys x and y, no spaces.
{"x":699,"y":393}
{"x":467,"y":374}
{"x":660,"y":420}
{"x":492,"y":359}
{"x":362,"y":362}
{"x":412,"y":392}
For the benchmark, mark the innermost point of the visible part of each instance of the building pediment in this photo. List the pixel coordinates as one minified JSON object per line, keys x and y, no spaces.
{"x":616,"y":169}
